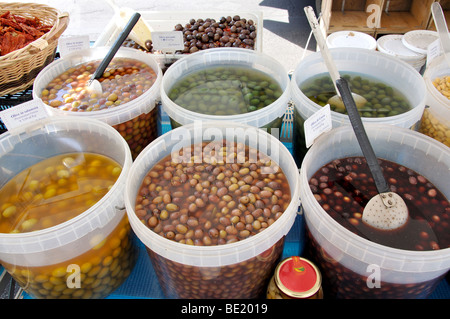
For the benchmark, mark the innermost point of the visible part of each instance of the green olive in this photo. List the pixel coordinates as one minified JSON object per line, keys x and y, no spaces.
{"x":225,"y":91}
{"x":383,"y":100}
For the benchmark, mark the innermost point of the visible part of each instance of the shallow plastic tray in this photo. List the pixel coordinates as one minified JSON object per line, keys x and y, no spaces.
{"x":162,"y":21}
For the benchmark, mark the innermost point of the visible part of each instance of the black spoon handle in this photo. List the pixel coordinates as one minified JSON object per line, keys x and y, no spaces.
{"x":115,"y":47}
{"x":361,"y":135}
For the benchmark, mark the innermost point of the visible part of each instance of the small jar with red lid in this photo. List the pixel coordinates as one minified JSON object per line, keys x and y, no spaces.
{"x":295,"y":278}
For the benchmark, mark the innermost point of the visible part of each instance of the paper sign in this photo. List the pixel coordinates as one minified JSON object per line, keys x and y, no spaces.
{"x":169,"y":41}
{"x":73,"y":43}
{"x":433,"y":51}
{"x":317,"y":124}
{"x":22,"y":114}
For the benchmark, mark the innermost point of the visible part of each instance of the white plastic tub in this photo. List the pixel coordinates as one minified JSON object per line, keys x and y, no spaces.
{"x":375,"y":65}
{"x":393,"y":45}
{"x":436,"y":117}
{"x":43,"y":261}
{"x":218,"y":270}
{"x":346,"y":259}
{"x":139,"y":115}
{"x":269,"y":117}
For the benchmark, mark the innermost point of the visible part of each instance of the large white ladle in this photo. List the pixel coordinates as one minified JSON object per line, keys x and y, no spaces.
{"x":387,"y":210}
{"x":336,"y":99}
{"x":93,"y":85}
{"x":441,"y":27}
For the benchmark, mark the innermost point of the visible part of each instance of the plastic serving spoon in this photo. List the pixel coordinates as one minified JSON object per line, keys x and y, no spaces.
{"x":93,"y":84}
{"x":336,"y":99}
{"x":441,"y":26}
{"x":387,"y":210}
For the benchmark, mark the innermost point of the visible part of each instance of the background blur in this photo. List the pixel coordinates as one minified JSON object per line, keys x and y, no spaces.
{"x":285,"y":34}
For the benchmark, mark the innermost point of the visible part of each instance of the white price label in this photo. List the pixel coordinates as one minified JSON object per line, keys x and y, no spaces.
{"x":73,"y":43}
{"x":169,"y":41}
{"x":23,"y":114}
{"x":317,"y":124}
{"x":433,"y":51}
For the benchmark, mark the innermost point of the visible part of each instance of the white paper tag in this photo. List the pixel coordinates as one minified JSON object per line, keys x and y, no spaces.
{"x":317,"y":124}
{"x":169,"y":41}
{"x":23,"y":114}
{"x":434,"y":50}
{"x":73,"y":43}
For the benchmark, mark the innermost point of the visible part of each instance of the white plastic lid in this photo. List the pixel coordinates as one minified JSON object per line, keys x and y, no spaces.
{"x":392,"y":44}
{"x":419,"y":40}
{"x":351,"y":39}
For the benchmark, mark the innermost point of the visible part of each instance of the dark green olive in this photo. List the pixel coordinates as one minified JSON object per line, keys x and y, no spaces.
{"x":225,"y":90}
{"x":383,"y":100}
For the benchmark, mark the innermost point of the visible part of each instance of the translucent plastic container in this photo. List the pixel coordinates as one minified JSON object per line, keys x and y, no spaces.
{"x":234,"y":270}
{"x":135,"y":120}
{"x":89,"y":255}
{"x":436,"y":116}
{"x":270,"y":117}
{"x":347,"y":261}
{"x":375,"y":65}
{"x":392,"y":44}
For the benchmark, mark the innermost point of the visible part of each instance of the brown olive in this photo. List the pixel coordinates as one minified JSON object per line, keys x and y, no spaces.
{"x":218,"y":194}
{"x":228,"y":31}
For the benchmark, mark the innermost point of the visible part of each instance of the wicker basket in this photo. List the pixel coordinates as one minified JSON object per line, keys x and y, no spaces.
{"x":19,"y":68}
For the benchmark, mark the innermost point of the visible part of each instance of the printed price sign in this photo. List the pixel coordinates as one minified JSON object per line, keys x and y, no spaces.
{"x":71,"y":44}
{"x":318,"y":123}
{"x":169,"y":41}
{"x":23,"y":114}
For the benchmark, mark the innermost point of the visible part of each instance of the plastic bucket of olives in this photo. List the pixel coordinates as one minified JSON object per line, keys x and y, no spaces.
{"x":212,"y":203}
{"x":63,"y":229}
{"x":436,"y":117}
{"x":226,"y":84}
{"x":395,"y":91}
{"x":131,"y":88}
{"x":356,"y":260}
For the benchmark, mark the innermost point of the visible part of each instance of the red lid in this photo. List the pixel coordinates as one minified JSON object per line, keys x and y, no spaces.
{"x":298,"y":277}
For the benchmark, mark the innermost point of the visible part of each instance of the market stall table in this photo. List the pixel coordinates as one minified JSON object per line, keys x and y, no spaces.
{"x":143,"y":282}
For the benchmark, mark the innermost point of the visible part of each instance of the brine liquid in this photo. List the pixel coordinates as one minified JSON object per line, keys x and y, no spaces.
{"x":382,"y":99}
{"x":55,"y":190}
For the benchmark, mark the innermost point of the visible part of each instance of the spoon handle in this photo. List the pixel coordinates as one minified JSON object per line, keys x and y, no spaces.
{"x":321,"y":42}
{"x":441,"y":26}
{"x":361,"y":136}
{"x":115,"y":47}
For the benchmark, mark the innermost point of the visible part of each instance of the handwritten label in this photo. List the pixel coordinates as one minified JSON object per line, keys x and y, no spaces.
{"x":434,"y":50}
{"x":169,"y":41}
{"x":317,"y":124}
{"x":73,"y":43}
{"x":23,"y":114}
